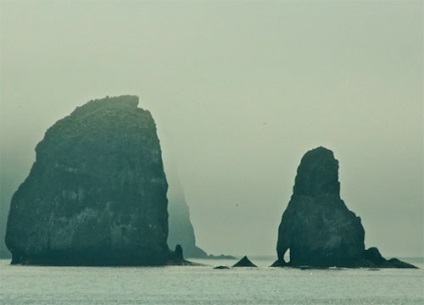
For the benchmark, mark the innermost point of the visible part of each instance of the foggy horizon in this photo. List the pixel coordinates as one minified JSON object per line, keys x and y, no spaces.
{"x":239,"y":91}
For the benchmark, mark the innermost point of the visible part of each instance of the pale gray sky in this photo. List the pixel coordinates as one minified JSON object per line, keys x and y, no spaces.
{"x":239,"y":90}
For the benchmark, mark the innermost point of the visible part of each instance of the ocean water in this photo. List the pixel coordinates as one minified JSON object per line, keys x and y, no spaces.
{"x":205,"y":285}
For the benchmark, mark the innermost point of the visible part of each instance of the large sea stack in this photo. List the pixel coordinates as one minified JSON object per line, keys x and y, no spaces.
{"x":96,"y":194}
{"x":317,"y":227}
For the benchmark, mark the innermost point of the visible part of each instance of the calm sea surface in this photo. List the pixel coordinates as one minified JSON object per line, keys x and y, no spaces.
{"x":204,"y":285}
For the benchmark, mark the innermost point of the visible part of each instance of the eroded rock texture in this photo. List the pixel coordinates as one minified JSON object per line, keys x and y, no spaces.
{"x":317,"y":226}
{"x":96,"y":194}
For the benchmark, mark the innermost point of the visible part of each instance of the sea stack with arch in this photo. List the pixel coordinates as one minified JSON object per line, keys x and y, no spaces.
{"x":317,"y":227}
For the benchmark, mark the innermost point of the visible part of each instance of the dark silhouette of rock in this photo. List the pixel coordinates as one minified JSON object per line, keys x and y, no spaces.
{"x":179,"y":252}
{"x":373,"y":255}
{"x":244,"y":262}
{"x":176,"y":258}
{"x":396,"y":263}
{"x":373,"y":259}
{"x":317,"y":227}
{"x":221,"y":267}
{"x":96,"y":194}
{"x":181,"y":230}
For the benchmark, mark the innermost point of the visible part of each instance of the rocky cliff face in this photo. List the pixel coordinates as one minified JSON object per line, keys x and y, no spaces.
{"x":96,"y":194}
{"x":181,"y":230}
{"x":317,"y":226}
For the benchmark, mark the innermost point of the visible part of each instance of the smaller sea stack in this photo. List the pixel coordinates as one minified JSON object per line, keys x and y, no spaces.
{"x":317,"y":227}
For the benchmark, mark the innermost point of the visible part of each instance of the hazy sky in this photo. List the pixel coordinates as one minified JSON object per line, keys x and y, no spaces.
{"x":239,"y":90}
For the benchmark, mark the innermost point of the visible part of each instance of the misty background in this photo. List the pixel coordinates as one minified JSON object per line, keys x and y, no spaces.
{"x":239,"y":90}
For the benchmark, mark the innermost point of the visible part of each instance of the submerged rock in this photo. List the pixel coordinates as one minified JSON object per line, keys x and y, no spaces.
{"x":244,"y":262}
{"x":96,"y":194}
{"x":317,"y":227}
{"x":221,"y":256}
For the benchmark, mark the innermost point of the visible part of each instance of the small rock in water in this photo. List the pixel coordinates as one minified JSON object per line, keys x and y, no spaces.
{"x":244,"y":262}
